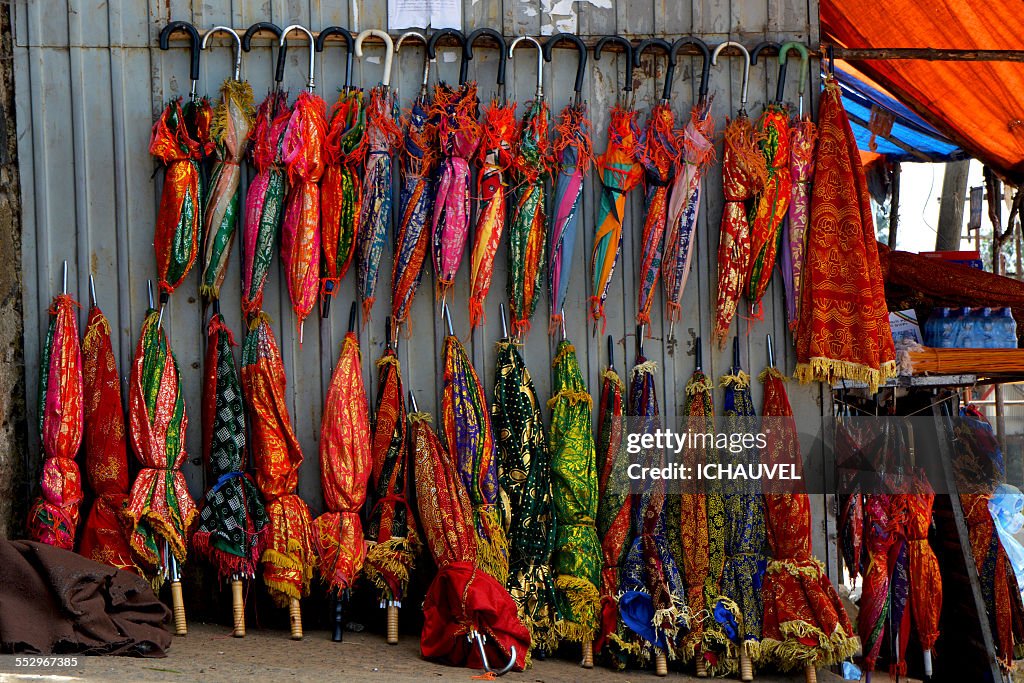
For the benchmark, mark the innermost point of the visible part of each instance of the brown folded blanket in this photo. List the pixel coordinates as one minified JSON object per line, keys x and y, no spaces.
{"x":56,"y":601}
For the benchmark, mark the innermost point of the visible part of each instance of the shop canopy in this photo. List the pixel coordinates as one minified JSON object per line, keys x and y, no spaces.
{"x":977,"y":104}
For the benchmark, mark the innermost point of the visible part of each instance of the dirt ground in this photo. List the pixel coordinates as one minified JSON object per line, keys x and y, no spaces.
{"x":209,"y":653}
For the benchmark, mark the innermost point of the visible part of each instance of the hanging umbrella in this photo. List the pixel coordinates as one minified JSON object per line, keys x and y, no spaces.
{"x":803,"y":136}
{"x":159,"y":508}
{"x":529,"y":215}
{"x":619,"y":175}
{"x":232,"y":120}
{"x":416,"y":198}
{"x":53,"y":518}
{"x":288,"y":560}
{"x":231,"y":531}
{"x":697,"y":147}
{"x":701,"y":511}
{"x":469,"y":619}
{"x":181,"y":141}
{"x":738,"y":609}
{"x":345,"y":464}
{"x":923,"y":568}
{"x":105,"y":536}
{"x":805,"y":623}
{"x":498,"y":134}
{"x":614,"y":511}
{"x":455,"y":110}
{"x":391,"y":528}
{"x":874,"y":607}
{"x":743,"y":175}
{"x":264,"y":202}
{"x":302,"y":150}
{"x":653,"y":599}
{"x":341,"y":184}
{"x":658,"y":156}
{"x":851,"y":509}
{"x":577,"y":559}
{"x":574,"y":151}
{"x":470,"y":439}
{"x":524,"y":472}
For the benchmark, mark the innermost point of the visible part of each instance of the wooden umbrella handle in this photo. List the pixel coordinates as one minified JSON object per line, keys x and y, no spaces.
{"x":238,"y":608}
{"x":810,"y":674}
{"x":588,"y":654}
{"x":295,"y":617}
{"x":392,"y":624}
{"x":178,"y":607}
{"x":746,"y":666}
{"x":660,"y":664}
{"x":702,"y":665}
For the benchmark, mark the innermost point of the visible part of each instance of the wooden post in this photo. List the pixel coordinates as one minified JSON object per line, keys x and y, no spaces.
{"x":951,"y":206}
{"x":894,"y":204}
{"x":295,"y":617}
{"x":238,"y":607}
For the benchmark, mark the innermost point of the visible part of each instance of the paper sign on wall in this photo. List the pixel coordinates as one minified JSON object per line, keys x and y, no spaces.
{"x":437,"y":14}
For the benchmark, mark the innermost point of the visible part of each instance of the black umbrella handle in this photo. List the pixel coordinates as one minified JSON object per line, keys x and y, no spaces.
{"x":611,"y":352}
{"x":352,"y":317}
{"x":628,"y":46}
{"x":502,"y":47}
{"x":736,"y":353}
{"x":194,"y":44}
{"x":338,"y":619}
{"x":705,"y":69}
{"x":281,"y":51}
{"x":350,"y":46}
{"x":699,"y":355}
{"x":669,"y":72}
{"x":581,"y":48}
{"x":461,"y":38}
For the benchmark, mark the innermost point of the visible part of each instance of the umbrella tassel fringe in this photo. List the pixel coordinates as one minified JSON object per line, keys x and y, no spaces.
{"x":831,"y":370}
{"x":790,"y":653}
{"x":612,"y":376}
{"x":584,"y":603}
{"x":397,"y":557}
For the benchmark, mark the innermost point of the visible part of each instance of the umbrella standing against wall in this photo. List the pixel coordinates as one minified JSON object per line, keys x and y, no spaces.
{"x":159,"y":509}
{"x":288,"y":559}
{"x":180,"y":140}
{"x":528,"y":224}
{"x":923,"y":568}
{"x":524,"y":472}
{"x":743,"y":176}
{"x":619,"y":175}
{"x":341,"y":187}
{"x":105,"y":535}
{"x":577,"y":558}
{"x":382,"y":136}
{"x":498,"y":133}
{"x":232,"y":121}
{"x":53,"y":518}
{"x":658,"y":155}
{"x":697,"y":153}
{"x":264,"y":203}
{"x":302,"y":150}
{"x":391,"y":529}
{"x":454,"y":113}
{"x":575,"y":153}
{"x":419,"y":156}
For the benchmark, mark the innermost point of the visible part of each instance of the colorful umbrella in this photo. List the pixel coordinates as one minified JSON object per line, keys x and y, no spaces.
{"x":470,"y":438}
{"x":53,"y":518}
{"x":575,"y":154}
{"x":288,"y":560}
{"x":232,"y":120}
{"x":577,"y":559}
{"x":738,"y":610}
{"x":105,"y":536}
{"x":923,"y":566}
{"x":619,"y":175}
{"x":416,"y":198}
{"x":658,"y":155}
{"x":302,"y":150}
{"x":181,"y":142}
{"x":653,"y":602}
{"x":391,"y":529}
{"x":345,"y":464}
{"x":382,"y":136}
{"x":529,"y":215}
{"x":341,"y":184}
{"x":614,"y":511}
{"x":468,"y":617}
{"x":743,"y":175}
{"x":805,"y":623}
{"x":696,"y":143}
{"x":455,"y":110}
{"x":803,"y":136}
{"x":264,"y":203}
{"x":498,"y":134}
{"x":524,"y":472}
{"x":875,"y":600}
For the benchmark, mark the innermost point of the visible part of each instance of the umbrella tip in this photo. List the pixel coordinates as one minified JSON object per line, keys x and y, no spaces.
{"x":352,"y":317}
{"x":149,"y":291}
{"x":611,"y":352}
{"x":447,"y":317}
{"x":639,"y":340}
{"x":736,"y":352}
{"x":64,"y":287}
{"x":562,"y":321}
{"x":771,"y":351}
{"x":92,"y":290}
{"x":412,"y":402}
{"x":698,"y":353}
{"x":504,"y":321}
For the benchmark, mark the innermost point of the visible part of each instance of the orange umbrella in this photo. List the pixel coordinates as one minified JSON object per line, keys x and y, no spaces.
{"x":923,"y":568}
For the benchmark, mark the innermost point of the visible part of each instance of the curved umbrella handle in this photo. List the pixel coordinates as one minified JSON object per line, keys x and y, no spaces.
{"x":461,"y":39}
{"x":282,"y":49}
{"x":581,"y":65}
{"x":805,"y":59}
{"x":238,"y":45}
{"x":194,"y":47}
{"x":746,"y":67}
{"x":669,"y":72}
{"x":629,"y":56}
{"x":346,"y":35}
{"x":781,"y":83}
{"x":389,"y":51}
{"x":540,"y":61}
{"x":705,"y":68}
{"x":283,"y":40}
{"x":502,"y":47}
{"x":426,"y":57}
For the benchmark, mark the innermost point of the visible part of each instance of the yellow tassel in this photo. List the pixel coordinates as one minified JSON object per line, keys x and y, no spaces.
{"x":421,"y":417}
{"x":571,"y":397}
{"x":565,"y":351}
{"x":389,"y":360}
{"x":648,"y":367}
{"x":740,"y":380}
{"x":397,"y":556}
{"x":704,"y":385}
{"x":584,"y":603}
{"x":771,"y":372}
{"x":613,"y":376}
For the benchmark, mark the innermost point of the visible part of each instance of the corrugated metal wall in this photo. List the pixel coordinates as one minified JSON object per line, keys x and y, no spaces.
{"x":90,"y":80}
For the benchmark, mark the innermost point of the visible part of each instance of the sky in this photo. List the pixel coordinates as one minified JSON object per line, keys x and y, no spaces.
{"x":920,"y":190}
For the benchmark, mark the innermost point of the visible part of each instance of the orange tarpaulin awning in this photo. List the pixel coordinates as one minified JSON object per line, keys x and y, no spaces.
{"x":979,"y":104}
